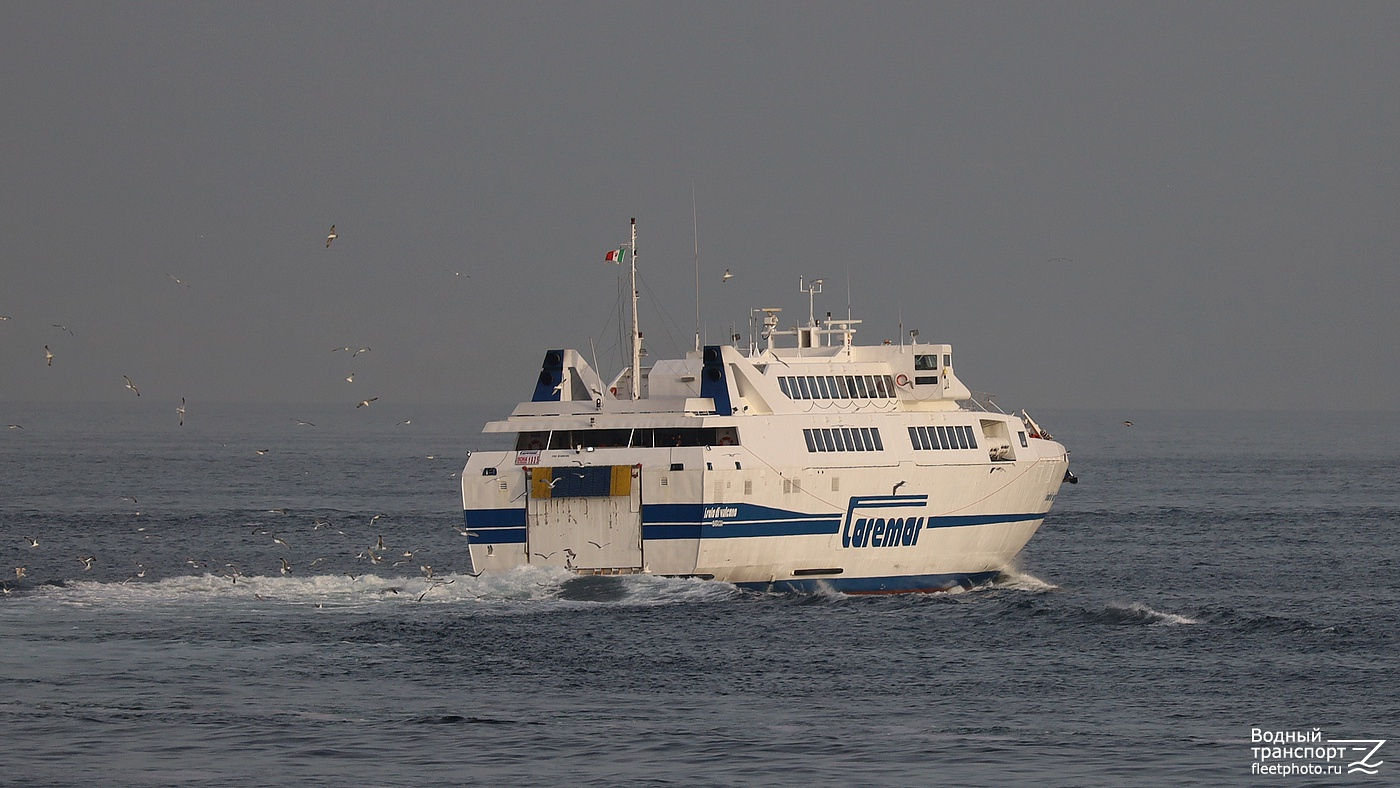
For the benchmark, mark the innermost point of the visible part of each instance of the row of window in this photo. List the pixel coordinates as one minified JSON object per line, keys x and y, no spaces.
{"x":837,"y":386}
{"x":638,"y":438}
{"x":844,"y":439}
{"x":958,"y":436}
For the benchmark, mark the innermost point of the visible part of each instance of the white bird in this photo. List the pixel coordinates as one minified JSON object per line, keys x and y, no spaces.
{"x":330,"y":237}
{"x":20,"y":572}
{"x":351,"y":378}
{"x":286,"y":567}
{"x":278,"y":540}
{"x":178,"y":281}
{"x":364,"y":403}
{"x":374,"y":520}
{"x":405,"y":421}
{"x":65,"y":328}
{"x":301,"y":423}
{"x":181,"y":410}
{"x":87,"y":562}
{"x":32,"y":541}
{"x":381,"y":536}
{"x":48,"y":355}
{"x":261,"y":452}
{"x":361,"y":350}
{"x":131,"y":385}
{"x":336,"y":349}
{"x":14,"y":426}
{"x":727,"y":276}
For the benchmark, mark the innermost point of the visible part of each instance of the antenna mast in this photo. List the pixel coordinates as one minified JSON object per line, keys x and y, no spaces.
{"x":636,"y":330}
{"x":695,"y":217}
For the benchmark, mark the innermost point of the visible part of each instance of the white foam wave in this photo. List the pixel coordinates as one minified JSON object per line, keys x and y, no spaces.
{"x":1013,"y":579}
{"x":522,"y":585}
{"x":1137,"y":610}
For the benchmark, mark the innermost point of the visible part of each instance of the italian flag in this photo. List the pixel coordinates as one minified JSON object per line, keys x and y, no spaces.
{"x":616,"y":255}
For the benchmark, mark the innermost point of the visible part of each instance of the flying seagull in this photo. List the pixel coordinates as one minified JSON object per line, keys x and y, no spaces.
{"x":358,"y":352}
{"x":181,"y":410}
{"x":330,"y":237}
{"x":178,"y":281}
{"x":286,"y":567}
{"x":364,"y":403}
{"x":48,"y":355}
{"x":727,"y":276}
{"x":301,"y":423}
{"x":65,"y":328}
{"x":32,"y":541}
{"x":351,"y":378}
{"x":131,"y":385}
{"x":87,"y":562}
{"x":15,"y":426}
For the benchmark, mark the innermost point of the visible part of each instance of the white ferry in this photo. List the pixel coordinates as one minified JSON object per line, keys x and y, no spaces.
{"x":806,"y":463}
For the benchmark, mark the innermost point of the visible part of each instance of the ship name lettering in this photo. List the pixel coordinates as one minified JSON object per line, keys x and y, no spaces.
{"x":882,"y":531}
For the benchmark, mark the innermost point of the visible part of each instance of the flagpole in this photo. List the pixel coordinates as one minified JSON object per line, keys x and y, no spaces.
{"x":636,"y":329}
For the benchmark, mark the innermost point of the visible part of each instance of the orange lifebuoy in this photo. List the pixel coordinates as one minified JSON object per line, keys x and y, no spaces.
{"x":726,"y":440}
{"x":902,"y":380}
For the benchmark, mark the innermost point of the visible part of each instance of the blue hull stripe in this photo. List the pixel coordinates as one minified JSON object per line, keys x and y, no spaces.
{"x":669,"y":522}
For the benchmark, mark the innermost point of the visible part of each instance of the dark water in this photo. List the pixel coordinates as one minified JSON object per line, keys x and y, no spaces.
{"x":1213,"y":573}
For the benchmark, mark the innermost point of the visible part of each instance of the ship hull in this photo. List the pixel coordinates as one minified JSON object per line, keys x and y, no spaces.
{"x":869,"y":530}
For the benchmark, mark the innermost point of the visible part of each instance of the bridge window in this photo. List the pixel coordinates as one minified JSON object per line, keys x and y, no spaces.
{"x":531,"y":441}
{"x":925,"y":363}
{"x":839,"y":386}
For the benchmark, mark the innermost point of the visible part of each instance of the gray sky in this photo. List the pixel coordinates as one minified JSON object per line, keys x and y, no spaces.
{"x":1222,"y":178}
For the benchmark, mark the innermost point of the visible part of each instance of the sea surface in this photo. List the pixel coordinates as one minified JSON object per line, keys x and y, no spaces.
{"x":1212,"y":576}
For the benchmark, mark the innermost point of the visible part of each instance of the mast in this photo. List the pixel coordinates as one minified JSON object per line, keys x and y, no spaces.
{"x":695,"y":218}
{"x":636,"y":331}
